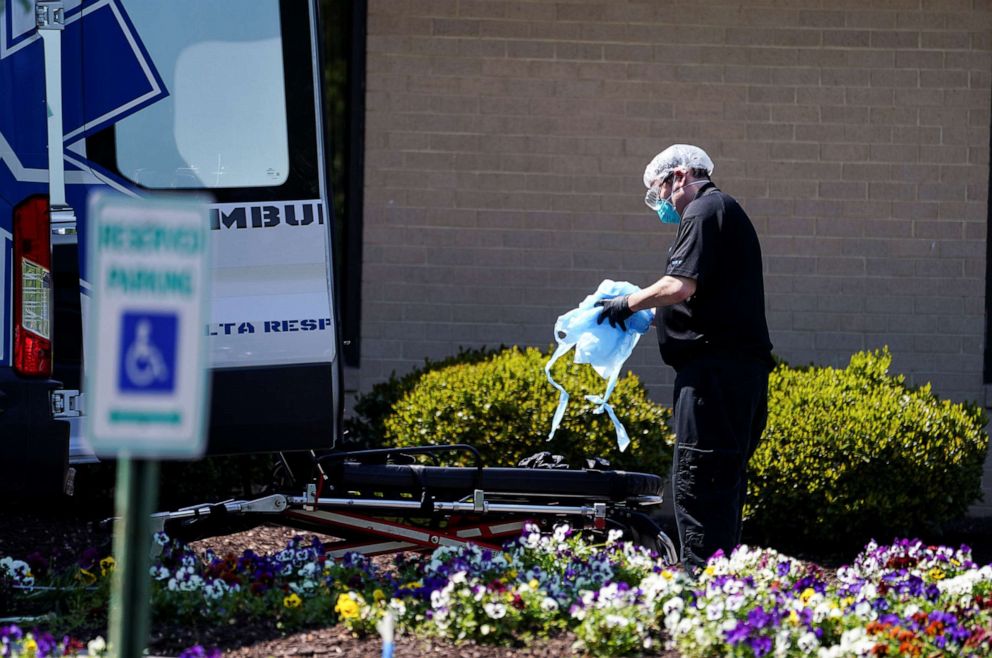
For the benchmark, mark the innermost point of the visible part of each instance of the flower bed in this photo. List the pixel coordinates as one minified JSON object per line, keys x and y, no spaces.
{"x":901,"y":599}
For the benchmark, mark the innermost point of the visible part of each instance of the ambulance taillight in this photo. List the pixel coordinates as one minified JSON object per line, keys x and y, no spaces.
{"x":32,"y":289}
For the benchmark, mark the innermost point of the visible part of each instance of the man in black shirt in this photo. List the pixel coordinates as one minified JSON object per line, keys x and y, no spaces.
{"x":712,"y":331}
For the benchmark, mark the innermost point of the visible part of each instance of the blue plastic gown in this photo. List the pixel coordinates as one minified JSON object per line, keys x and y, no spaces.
{"x":603,"y":347}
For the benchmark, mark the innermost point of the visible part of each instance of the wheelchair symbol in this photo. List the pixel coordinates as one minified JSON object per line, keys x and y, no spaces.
{"x":143,"y":360}
{"x":148,"y":346}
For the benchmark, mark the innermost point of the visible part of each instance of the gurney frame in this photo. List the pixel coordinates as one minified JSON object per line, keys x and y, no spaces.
{"x":374,"y":506}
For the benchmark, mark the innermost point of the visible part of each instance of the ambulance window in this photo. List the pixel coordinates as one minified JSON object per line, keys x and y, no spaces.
{"x":224,"y":122}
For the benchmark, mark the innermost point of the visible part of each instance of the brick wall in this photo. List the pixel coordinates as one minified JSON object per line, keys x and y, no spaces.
{"x":506,"y":142}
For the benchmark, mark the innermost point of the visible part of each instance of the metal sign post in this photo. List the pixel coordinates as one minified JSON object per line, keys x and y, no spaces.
{"x":146,"y":375}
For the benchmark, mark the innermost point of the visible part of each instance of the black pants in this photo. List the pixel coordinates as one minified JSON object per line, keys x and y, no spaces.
{"x":720,"y":410}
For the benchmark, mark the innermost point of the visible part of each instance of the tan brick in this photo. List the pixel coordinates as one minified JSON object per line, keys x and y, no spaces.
{"x":530,"y":49}
{"x":895,"y":39}
{"x":794,"y":151}
{"x":919,"y":97}
{"x":894,"y":78}
{"x":944,"y":79}
{"x":825,"y":57}
{"x":843,"y":152}
{"x":892,"y":191}
{"x":821,"y":18}
{"x":499,"y":29}
{"x":579,"y":51}
{"x":769,"y":94}
{"x":806,"y":75}
{"x":480,"y":9}
{"x":448,"y":8}
{"x":901,"y":153}
{"x":895,"y":116}
{"x":868,"y":18}
{"x":770,"y":131}
{"x":946,"y":40}
{"x":793,"y":113}
{"x":888,"y":229}
{"x":844,"y":77}
{"x":916,"y":135}
{"x":920,"y":59}
{"x":871,"y":59}
{"x":846,"y":38}
{"x":843,"y":114}
{"x":455,"y":27}
{"x":733,"y":73}
{"x":870,"y":96}
{"x":760,"y":56}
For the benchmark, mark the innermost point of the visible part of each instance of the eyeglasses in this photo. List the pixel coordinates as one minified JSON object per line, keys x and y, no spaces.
{"x":653,"y":198}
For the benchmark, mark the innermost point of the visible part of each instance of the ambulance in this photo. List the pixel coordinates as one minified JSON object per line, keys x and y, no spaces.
{"x":221,"y":98}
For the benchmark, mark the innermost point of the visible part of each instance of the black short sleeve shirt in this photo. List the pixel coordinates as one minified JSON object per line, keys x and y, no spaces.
{"x":716,"y":246}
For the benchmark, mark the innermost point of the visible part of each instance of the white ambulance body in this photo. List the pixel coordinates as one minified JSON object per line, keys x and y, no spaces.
{"x":216,"y":97}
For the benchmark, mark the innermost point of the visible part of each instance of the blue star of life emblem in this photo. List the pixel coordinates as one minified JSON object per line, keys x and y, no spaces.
{"x":107,"y":75}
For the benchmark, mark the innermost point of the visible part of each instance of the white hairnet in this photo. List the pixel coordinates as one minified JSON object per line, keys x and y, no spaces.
{"x":675,"y":156}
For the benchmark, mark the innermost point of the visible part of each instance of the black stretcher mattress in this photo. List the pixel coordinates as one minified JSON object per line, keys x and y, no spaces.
{"x":615,"y":485}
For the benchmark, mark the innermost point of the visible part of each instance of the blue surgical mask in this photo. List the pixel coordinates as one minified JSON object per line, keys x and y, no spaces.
{"x":666,"y":211}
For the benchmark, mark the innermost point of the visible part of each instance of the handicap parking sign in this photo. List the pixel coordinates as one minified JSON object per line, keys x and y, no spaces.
{"x":147,"y":383}
{"x":147,"y":352}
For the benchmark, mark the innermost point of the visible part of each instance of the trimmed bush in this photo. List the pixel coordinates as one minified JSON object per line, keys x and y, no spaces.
{"x":851,"y":454}
{"x":364,"y":429}
{"x":502,"y":404}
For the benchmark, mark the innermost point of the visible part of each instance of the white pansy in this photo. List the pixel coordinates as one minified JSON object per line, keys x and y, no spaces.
{"x":96,"y":647}
{"x":674,"y":604}
{"x":159,"y":572}
{"x":561,"y":532}
{"x":808,"y":643}
{"x":615,"y":621}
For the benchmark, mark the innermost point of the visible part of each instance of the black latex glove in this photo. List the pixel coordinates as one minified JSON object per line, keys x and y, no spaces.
{"x":616,"y":310}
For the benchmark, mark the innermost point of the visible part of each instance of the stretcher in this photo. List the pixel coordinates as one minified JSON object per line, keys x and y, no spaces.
{"x":377,"y":502}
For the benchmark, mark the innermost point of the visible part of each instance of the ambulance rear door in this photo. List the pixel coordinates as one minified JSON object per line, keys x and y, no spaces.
{"x":224,"y":97}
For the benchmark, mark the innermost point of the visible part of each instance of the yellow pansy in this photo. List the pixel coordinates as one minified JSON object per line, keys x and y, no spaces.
{"x":292,"y":601}
{"x":793,"y":618}
{"x":807,"y":595}
{"x":107,"y":566}
{"x":346,"y":607}
{"x":86,"y":577}
{"x":29,"y":646}
{"x":379,"y":596}
{"x":533,"y":584}
{"x":935,"y":574}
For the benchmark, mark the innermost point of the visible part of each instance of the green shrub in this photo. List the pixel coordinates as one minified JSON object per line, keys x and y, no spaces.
{"x":503,"y":404}
{"x":851,"y":454}
{"x":364,"y":429}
